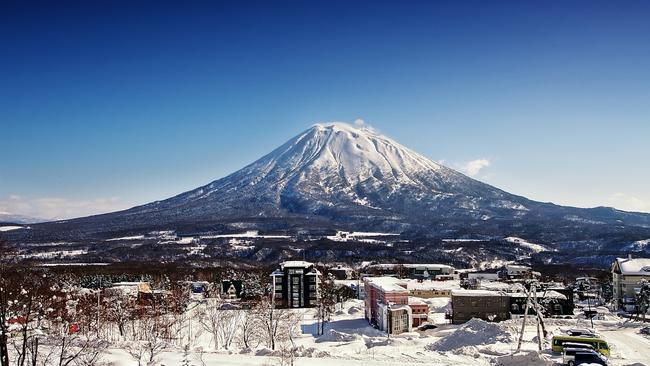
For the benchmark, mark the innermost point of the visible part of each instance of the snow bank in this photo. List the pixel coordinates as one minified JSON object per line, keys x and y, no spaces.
{"x":354,"y":310}
{"x":473,"y":333}
{"x":334,"y":335}
{"x":531,"y":359}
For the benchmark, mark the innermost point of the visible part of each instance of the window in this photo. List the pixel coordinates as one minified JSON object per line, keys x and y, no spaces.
{"x":515,"y":307}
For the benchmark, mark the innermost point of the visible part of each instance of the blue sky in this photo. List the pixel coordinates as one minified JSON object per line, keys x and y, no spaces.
{"x":108,"y":105}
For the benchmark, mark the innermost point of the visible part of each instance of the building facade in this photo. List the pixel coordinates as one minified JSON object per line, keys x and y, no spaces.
{"x":490,"y":306}
{"x":295,"y":285}
{"x":387,"y":304}
{"x":627,"y":275}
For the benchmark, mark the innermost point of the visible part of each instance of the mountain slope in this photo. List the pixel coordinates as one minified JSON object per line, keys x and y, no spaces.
{"x":335,"y":176}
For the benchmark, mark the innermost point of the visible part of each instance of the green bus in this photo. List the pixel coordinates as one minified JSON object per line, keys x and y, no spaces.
{"x":599,"y":345}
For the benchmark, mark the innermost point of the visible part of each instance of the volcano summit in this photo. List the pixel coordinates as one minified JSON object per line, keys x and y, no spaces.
{"x":336,"y":176}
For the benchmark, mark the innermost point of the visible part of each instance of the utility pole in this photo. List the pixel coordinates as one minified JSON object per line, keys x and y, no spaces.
{"x":532,"y":302}
{"x":99,"y":291}
{"x":388,"y":319}
{"x":539,"y":338}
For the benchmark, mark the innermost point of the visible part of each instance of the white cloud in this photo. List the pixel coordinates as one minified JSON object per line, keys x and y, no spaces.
{"x":474,"y":167}
{"x":359,"y":122}
{"x":627,"y":202}
{"x":59,"y":208}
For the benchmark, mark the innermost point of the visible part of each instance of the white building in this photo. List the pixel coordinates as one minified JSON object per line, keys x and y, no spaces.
{"x":627,"y":274}
{"x":516,"y":270}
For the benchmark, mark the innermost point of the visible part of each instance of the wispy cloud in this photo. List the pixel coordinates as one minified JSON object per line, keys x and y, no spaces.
{"x":59,"y":208}
{"x":627,"y":202}
{"x":474,"y":167}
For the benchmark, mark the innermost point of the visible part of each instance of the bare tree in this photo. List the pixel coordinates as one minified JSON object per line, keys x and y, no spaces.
{"x":325,"y":304}
{"x":250,"y":329}
{"x":5,"y":287}
{"x":275,"y":322}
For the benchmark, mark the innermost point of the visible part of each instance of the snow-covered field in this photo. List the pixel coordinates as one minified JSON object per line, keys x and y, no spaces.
{"x":11,"y":227}
{"x":349,"y":340}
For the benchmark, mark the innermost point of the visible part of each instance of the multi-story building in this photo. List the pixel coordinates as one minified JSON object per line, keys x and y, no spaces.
{"x":295,"y":285}
{"x":387,"y":304}
{"x":627,"y":274}
{"x":487,"y":305}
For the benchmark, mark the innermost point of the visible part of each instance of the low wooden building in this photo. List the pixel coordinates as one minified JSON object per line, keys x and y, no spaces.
{"x":487,"y":305}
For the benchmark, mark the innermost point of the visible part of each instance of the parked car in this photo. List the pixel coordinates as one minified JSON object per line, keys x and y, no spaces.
{"x":569,"y":354}
{"x":581,"y":332}
{"x":427,"y":326}
{"x":581,"y":358}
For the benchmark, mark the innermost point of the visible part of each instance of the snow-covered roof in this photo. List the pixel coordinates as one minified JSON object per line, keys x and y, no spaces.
{"x":495,"y":285}
{"x":433,"y":285}
{"x":634,"y":266}
{"x":416,"y":301}
{"x":543,"y":294}
{"x":296,"y":264}
{"x":482,"y":293}
{"x":517,"y":267}
{"x":387,"y":284}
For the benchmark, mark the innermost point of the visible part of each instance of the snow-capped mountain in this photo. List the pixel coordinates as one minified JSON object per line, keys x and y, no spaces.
{"x":338,"y":176}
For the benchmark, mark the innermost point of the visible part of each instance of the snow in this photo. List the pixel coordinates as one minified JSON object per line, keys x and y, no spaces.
{"x":294,"y":264}
{"x":532,"y":246}
{"x":387,"y":284}
{"x":348,"y":339}
{"x":358,"y":236}
{"x":463,"y":292}
{"x":639,"y":266}
{"x":12,"y":227}
{"x":134,"y":237}
{"x":638,"y":245}
{"x":473,"y":333}
{"x":248,"y":234}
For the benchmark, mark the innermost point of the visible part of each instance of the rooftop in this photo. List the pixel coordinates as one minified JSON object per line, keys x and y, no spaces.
{"x":634,"y":266}
{"x":387,"y":284}
{"x":296,"y":264}
{"x":481,"y":293}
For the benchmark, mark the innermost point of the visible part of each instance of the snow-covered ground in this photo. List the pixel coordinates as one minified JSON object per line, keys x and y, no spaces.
{"x":12,"y":227}
{"x":349,"y":340}
{"x":526,"y":244}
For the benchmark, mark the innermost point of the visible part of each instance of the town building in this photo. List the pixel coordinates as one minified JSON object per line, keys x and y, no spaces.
{"x":295,"y":285}
{"x":488,"y":276}
{"x":429,"y":289}
{"x":419,"y":311}
{"x":134,"y":289}
{"x":341,"y":272}
{"x":487,"y":305}
{"x":412,"y":270}
{"x":387,"y":304}
{"x":627,"y":274}
{"x":552,"y":302}
{"x":517,"y":270}
{"x":231,"y":289}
